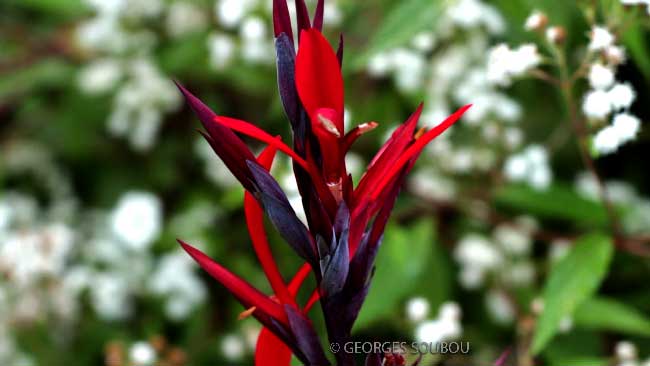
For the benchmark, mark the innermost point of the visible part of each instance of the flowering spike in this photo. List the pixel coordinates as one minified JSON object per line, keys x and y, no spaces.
{"x":242,"y":290}
{"x":281,"y":19}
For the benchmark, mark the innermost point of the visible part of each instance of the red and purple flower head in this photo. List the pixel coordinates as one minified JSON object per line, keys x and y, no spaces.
{"x":345,"y":224}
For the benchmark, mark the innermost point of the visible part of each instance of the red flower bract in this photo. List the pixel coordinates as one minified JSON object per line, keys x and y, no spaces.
{"x":344,"y":224}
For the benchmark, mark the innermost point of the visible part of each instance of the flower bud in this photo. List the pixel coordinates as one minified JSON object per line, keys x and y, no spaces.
{"x":556,"y":34}
{"x":536,"y":21}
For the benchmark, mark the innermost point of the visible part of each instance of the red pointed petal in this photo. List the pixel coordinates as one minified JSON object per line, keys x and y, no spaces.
{"x":414,"y":149}
{"x":389,"y":153}
{"x":353,"y":135}
{"x":242,"y":290}
{"x":255,"y":223}
{"x":318,"y":76}
{"x":271,"y":351}
{"x":253,"y":131}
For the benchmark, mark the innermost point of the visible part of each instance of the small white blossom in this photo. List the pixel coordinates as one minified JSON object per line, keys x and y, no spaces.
{"x":100,"y":76}
{"x":535,"y":21}
{"x":499,"y":307}
{"x":530,"y":166}
{"x":142,"y":354}
{"x":185,"y":17}
{"x":137,"y":219}
{"x":417,"y":309}
{"x":626,"y":351}
{"x":233,"y":347}
{"x":597,"y":104}
{"x":601,"y":38}
{"x":505,"y":63}
{"x":600,"y":77}
{"x":627,"y":126}
{"x":445,"y":327}
{"x":621,"y":95}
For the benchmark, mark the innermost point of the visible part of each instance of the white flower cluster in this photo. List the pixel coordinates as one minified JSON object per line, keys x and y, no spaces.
{"x":530,"y":166}
{"x":505,"y":255}
{"x":607,"y":95}
{"x":122,"y":40}
{"x":446,"y":326}
{"x":627,"y":354}
{"x":636,"y":216}
{"x":409,"y":65}
{"x":505,"y":63}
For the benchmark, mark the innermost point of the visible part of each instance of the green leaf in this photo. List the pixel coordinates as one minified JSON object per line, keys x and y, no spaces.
{"x":609,"y":314}
{"x":636,"y":43}
{"x":571,"y":282}
{"x":46,"y":73}
{"x":556,"y":202}
{"x":404,"y":20}
{"x":402,"y":258}
{"x":65,"y":8}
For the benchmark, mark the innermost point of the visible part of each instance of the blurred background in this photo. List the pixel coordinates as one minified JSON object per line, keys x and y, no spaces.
{"x":101,"y":168}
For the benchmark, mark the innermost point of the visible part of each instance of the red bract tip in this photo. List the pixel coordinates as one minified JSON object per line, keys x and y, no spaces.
{"x":242,"y":290}
{"x":318,"y":77}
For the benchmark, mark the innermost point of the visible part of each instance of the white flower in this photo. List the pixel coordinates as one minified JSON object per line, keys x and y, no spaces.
{"x":505,"y":63}
{"x":536,"y":20}
{"x":253,"y":28}
{"x":597,"y":104}
{"x":530,"y":166}
{"x":100,"y":76}
{"x":601,"y":38}
{"x":621,"y":96}
{"x":627,"y":126}
{"x":623,"y":129}
{"x":417,"y":309}
{"x":566,"y":324}
{"x":555,"y":34}
{"x":184,"y":17}
{"x":513,"y":239}
{"x":380,"y":64}
{"x":445,"y":327}
{"x":626,"y":351}
{"x":137,"y":219}
{"x":606,"y":140}
{"x":222,"y":50}
{"x":232,"y":347}
{"x":615,"y":54}
{"x":109,"y":296}
{"x":499,"y":307}
{"x":600,"y":77}
{"x":231,"y":12}
{"x":409,"y":69}
{"x":424,"y":41}
{"x":477,"y":251}
{"x":142,"y":354}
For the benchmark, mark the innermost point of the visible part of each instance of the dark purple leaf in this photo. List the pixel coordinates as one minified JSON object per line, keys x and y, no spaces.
{"x":339,"y":51}
{"x":286,"y":66}
{"x":306,"y":337}
{"x":303,"y":16}
{"x":230,"y":148}
{"x":318,"y":15}
{"x":373,"y":359}
{"x":282,"y":216}
{"x":282,"y":20}
{"x":336,"y":272}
